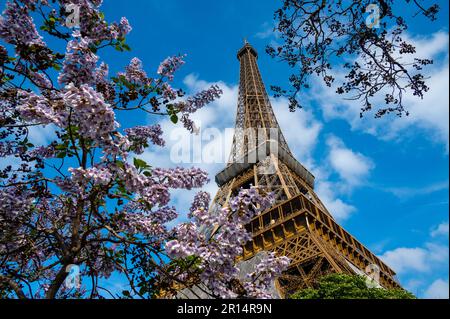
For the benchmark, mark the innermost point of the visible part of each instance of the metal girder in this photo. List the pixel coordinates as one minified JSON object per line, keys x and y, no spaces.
{"x":298,"y":225}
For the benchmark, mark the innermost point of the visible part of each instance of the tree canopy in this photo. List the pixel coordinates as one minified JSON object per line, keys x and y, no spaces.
{"x":343,"y":286}
{"x":361,"y":45}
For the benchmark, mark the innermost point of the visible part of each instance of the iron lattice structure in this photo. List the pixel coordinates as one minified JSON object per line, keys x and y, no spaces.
{"x":298,"y":225}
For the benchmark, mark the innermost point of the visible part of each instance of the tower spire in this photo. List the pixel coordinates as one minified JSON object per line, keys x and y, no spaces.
{"x":298,"y":225}
{"x":254,"y":109}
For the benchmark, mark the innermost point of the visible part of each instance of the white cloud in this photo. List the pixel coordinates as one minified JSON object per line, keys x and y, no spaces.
{"x":440,"y":230}
{"x":339,"y":209}
{"x":437,"y":290}
{"x":267,"y":31}
{"x":407,"y":192}
{"x":414,"y":285}
{"x":428,"y":115}
{"x":42,"y":135}
{"x":352,"y":167}
{"x":416,"y":259}
{"x":418,"y":266}
{"x":300,"y":129}
{"x":38,"y":136}
{"x":11,"y":160}
{"x":404,"y":259}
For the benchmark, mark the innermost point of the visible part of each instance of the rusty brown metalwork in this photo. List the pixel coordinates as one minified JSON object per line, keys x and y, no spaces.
{"x":298,"y":225}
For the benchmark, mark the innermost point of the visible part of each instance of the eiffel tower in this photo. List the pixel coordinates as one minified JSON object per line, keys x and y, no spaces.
{"x":298,"y":225}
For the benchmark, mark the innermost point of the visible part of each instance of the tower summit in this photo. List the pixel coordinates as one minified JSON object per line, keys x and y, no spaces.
{"x":298,"y":225}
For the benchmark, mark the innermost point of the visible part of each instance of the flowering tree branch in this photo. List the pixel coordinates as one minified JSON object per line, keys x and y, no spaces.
{"x":85,"y":199}
{"x":376,"y":59}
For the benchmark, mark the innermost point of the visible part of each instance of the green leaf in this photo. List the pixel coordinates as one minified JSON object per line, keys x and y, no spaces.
{"x":126,"y":47}
{"x":120,"y":164}
{"x":93,"y":49}
{"x":60,"y":147}
{"x":138,"y":163}
{"x":61,"y":155}
{"x":147,"y":173}
{"x":174,"y":118}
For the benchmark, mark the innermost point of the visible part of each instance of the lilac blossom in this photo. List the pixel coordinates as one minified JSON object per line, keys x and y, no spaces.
{"x":194,"y":103}
{"x":260,"y":280}
{"x":43,"y":152}
{"x":124,"y":26}
{"x":96,"y":175}
{"x":88,"y":203}
{"x":197,"y":101}
{"x":13,"y":202}
{"x":94,"y":116}
{"x":134,"y":72}
{"x":102,"y":84}
{"x":17,"y":27}
{"x":201,"y":201}
{"x":148,"y":223}
{"x":218,"y":251}
{"x":170,"y":65}
{"x":139,"y":136}
{"x":95,"y":27}
{"x":38,"y":109}
{"x":181,"y":177}
{"x":80,"y":62}
{"x":168,"y":92}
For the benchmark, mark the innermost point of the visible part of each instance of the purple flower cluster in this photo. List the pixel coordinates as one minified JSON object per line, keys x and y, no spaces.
{"x":135,"y":73}
{"x":102,"y":84}
{"x":80,"y":62}
{"x":194,"y":103}
{"x":260,"y":280}
{"x":17,"y":27}
{"x":95,"y":175}
{"x":37,"y":108}
{"x":101,"y":73}
{"x":197,"y":101}
{"x":82,"y":106}
{"x":124,"y":26}
{"x":95,"y":27}
{"x":218,"y":251}
{"x":41,"y":80}
{"x":139,"y":136}
{"x":13,"y":203}
{"x":43,"y":152}
{"x":168,"y":92}
{"x":170,"y":65}
{"x":118,"y":147}
{"x":148,"y":223}
{"x":201,"y":201}
{"x":181,"y":177}
{"x":134,"y":182}
{"x":95,"y":118}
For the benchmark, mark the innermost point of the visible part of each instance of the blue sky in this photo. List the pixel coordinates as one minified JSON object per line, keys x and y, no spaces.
{"x":385,"y":180}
